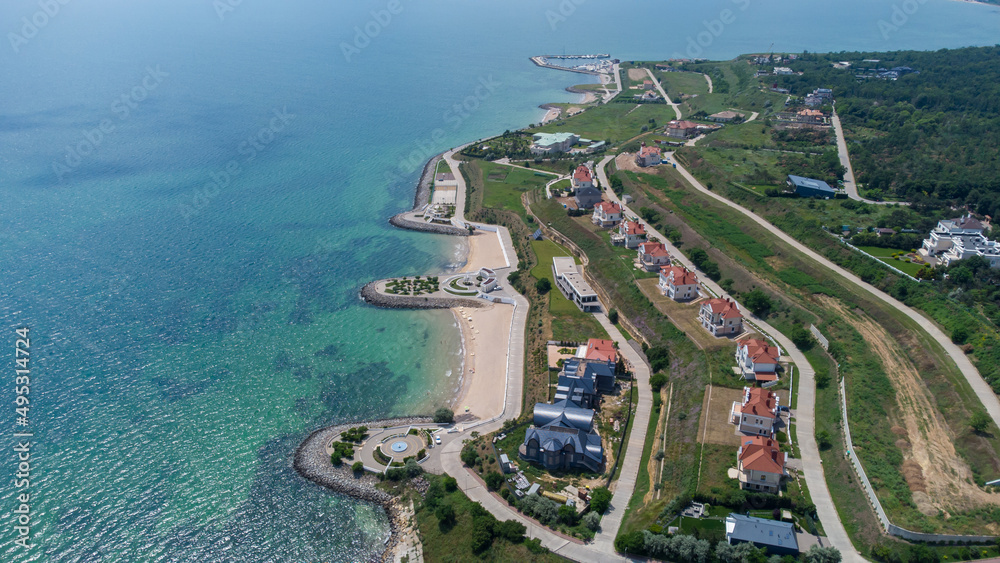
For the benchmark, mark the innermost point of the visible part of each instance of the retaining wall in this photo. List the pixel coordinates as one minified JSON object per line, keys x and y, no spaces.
{"x":879,"y":512}
{"x":404,"y":223}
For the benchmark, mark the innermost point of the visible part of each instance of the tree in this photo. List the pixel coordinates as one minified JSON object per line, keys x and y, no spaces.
{"x":511,"y":530}
{"x":469,"y":456}
{"x":758,"y":302}
{"x":494,"y":480}
{"x":979,"y":421}
{"x":817,"y":554}
{"x":543,"y":286}
{"x":658,"y":381}
{"x":358,"y":467}
{"x":445,"y":514}
{"x":613,"y":316}
{"x":592,"y":521}
{"x":802,"y":337}
{"x":823,"y":440}
{"x":659,"y":358}
{"x":600,"y":500}
{"x":450,"y":483}
{"x":631,"y":542}
{"x":568,"y":515}
{"x":960,"y":334}
{"x":482,"y":533}
{"x":444,"y":416}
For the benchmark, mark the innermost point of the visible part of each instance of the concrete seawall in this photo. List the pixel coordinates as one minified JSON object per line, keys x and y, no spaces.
{"x":373,"y":297}
{"x":402,"y":222}
{"x":313,"y":463}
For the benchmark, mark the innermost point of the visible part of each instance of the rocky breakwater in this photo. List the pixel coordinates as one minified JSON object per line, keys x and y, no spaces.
{"x":373,"y":296}
{"x":313,"y":462}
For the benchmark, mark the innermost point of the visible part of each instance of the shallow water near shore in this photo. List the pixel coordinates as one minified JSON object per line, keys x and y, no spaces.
{"x":192,"y":321}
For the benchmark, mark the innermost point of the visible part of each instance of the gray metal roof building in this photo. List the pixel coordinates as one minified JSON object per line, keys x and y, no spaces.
{"x":808,"y":187}
{"x":777,"y":537}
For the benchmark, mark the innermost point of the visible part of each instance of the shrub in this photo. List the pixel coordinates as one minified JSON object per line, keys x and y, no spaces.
{"x":511,"y":530}
{"x":758,"y":302}
{"x":468,"y":455}
{"x":592,"y":521}
{"x":659,"y":358}
{"x":613,"y":316}
{"x":631,"y":542}
{"x":450,"y":483}
{"x":658,"y":381}
{"x":534,"y":545}
{"x":823,"y":440}
{"x":568,"y":515}
{"x":358,"y":467}
{"x":493,"y":480}
{"x":600,"y":499}
{"x":445,"y":514}
{"x":979,"y":421}
{"x":543,"y":286}
{"x":444,"y":416}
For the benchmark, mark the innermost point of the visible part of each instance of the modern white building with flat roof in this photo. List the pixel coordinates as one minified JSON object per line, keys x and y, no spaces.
{"x":573,"y":285}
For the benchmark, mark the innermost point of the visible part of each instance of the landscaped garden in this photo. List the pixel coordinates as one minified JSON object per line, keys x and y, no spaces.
{"x":416,"y":286}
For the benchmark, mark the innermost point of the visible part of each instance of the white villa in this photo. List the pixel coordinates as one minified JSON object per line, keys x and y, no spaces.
{"x":607,"y":214}
{"x":653,"y":256}
{"x":573,"y":285}
{"x":758,"y":412}
{"x":957,"y":239}
{"x":630,"y":234}
{"x":721,"y":317}
{"x":546,"y":143}
{"x":757,"y":360}
{"x":678,"y":283}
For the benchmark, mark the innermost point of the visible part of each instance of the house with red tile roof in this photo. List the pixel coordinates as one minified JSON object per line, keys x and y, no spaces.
{"x":682,"y":129}
{"x":630,"y":234}
{"x":678,"y":283}
{"x":760,"y":465}
{"x":647,"y":155}
{"x":757,"y":360}
{"x":757,"y":413}
{"x":721,"y":317}
{"x":583,"y":177}
{"x":653,"y":256}
{"x":598,"y":350}
{"x":607,"y":214}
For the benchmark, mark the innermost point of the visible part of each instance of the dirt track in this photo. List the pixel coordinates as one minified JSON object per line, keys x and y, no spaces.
{"x":938,"y":477}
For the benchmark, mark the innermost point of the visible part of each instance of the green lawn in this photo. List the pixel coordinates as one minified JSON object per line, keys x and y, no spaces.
{"x":505,"y":184}
{"x":677,"y":83}
{"x":569,"y":323}
{"x":885,"y":255}
{"x":615,"y":122}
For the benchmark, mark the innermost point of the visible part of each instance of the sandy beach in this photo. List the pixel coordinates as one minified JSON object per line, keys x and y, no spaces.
{"x":484,"y":338}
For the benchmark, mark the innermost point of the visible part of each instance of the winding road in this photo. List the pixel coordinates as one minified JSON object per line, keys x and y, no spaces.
{"x":850,"y":186}
{"x":976,"y":381}
{"x":677,"y":108}
{"x":805,"y":413}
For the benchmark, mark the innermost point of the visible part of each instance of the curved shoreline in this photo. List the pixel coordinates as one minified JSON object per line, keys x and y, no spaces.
{"x":312,"y":462}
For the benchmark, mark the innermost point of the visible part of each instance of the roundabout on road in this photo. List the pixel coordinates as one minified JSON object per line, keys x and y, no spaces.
{"x":399,"y":447}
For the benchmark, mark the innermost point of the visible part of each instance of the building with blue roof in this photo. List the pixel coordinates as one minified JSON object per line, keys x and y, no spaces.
{"x":563,"y":437}
{"x":808,"y":187}
{"x":778,"y":538}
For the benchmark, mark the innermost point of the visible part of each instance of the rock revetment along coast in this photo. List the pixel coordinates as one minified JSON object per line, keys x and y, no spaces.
{"x":420,"y":199}
{"x":372,"y":296}
{"x":313,"y":462}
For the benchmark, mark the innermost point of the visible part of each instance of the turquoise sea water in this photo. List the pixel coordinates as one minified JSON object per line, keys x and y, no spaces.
{"x":191,"y":282}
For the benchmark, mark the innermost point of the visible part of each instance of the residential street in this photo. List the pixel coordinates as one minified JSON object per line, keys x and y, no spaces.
{"x":805,"y":412}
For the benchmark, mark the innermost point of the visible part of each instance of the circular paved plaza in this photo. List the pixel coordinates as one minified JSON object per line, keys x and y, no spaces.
{"x":400,"y":447}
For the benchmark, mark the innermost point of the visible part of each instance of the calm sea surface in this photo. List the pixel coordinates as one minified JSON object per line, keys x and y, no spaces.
{"x":192,"y":194}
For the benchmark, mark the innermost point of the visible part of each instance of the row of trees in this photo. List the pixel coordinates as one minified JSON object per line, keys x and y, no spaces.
{"x":690,"y":549}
